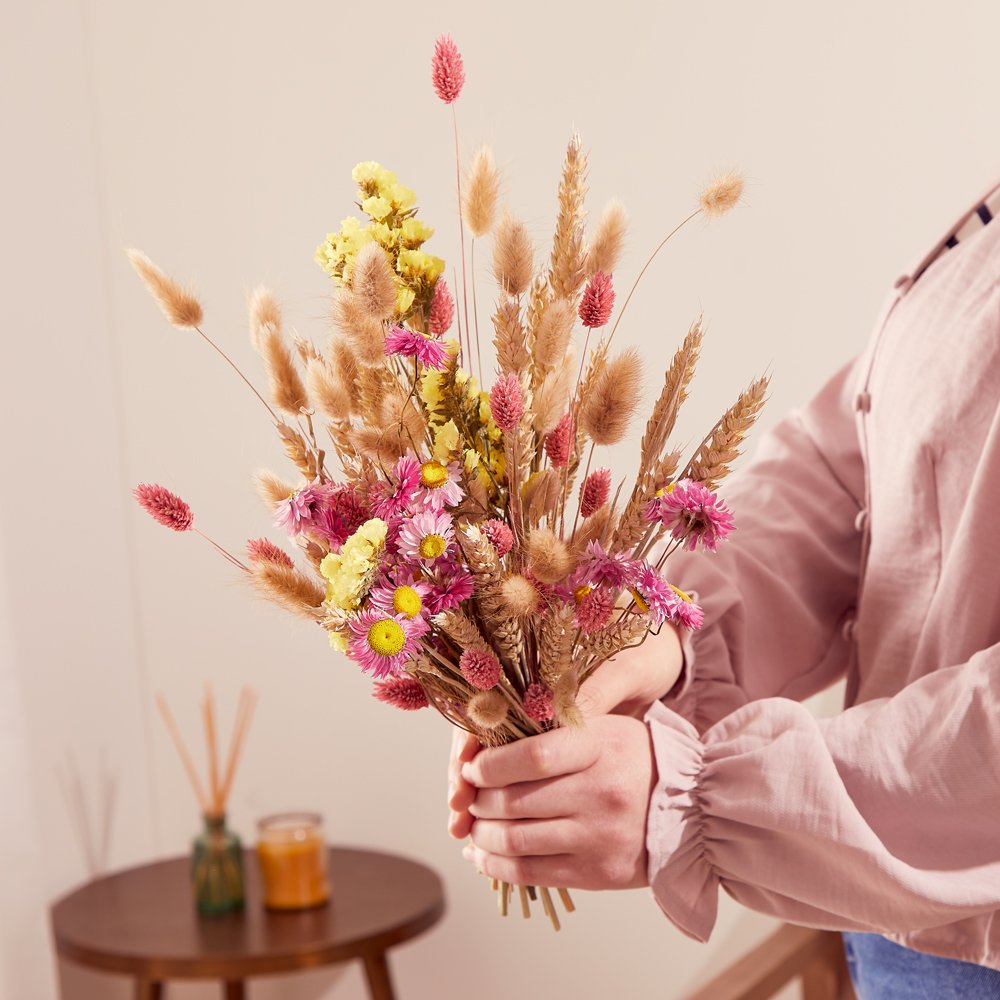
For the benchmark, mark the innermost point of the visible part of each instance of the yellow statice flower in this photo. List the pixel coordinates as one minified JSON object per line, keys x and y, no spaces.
{"x":377,"y":207}
{"x":402,"y":197}
{"x":404,"y":299}
{"x":417,"y":264}
{"x":339,"y":640}
{"x":447,"y":442}
{"x":350,"y":572}
{"x":413,"y":232}
{"x":388,"y":238}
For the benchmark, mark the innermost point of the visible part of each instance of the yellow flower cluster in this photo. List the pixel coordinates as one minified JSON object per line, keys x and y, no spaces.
{"x":391,"y":207}
{"x":350,"y":572}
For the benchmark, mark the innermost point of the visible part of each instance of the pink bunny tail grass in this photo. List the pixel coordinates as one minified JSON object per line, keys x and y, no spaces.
{"x":500,"y":536}
{"x":595,"y":492}
{"x":442,"y":310}
{"x":401,"y":692}
{"x":559,"y":442}
{"x":264,"y":550}
{"x":507,"y":403}
{"x":162,"y":505}
{"x":447,"y":71}
{"x":480,"y":668}
{"x":538,"y":703}
{"x":598,"y":301}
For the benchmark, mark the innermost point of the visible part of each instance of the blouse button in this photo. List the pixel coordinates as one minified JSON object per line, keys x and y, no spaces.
{"x":850,"y":624}
{"x":861,"y":521}
{"x":863,"y":402}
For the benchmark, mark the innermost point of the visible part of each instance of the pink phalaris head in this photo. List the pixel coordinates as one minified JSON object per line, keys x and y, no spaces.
{"x":264,"y":550}
{"x":166,"y":507}
{"x":559,"y":442}
{"x":447,"y":71}
{"x":442,"y":309}
{"x":507,"y":403}
{"x":595,"y":492}
{"x":499,"y":535}
{"x":598,"y":301}
{"x":401,"y":692}
{"x":480,"y":668}
{"x":538,"y":703}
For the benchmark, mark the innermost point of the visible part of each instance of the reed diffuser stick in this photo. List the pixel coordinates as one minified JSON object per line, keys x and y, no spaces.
{"x":175,"y":735}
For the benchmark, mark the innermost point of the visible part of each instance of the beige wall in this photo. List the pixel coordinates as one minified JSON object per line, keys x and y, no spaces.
{"x":220,"y":138}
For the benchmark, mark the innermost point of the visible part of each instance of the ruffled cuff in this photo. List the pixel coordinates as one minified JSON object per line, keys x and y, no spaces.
{"x":684,"y":883}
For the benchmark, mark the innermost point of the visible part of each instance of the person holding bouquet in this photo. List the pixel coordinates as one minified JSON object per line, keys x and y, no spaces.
{"x":867,"y":549}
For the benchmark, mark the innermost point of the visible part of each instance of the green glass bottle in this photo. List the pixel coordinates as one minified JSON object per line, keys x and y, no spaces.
{"x":217,"y":868}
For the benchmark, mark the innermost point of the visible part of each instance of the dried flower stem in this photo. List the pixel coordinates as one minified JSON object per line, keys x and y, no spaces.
{"x":238,"y":372}
{"x":461,"y":230}
{"x":475,"y":313}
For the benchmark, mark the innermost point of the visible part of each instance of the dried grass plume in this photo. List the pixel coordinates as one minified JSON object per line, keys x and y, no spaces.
{"x":181,"y":308}
{"x":513,"y":256}
{"x":372,"y":282}
{"x":548,"y":556}
{"x":721,"y":195}
{"x":612,"y":401}
{"x":606,"y":247}
{"x":481,"y":193}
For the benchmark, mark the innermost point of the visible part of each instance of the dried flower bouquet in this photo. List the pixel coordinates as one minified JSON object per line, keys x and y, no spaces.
{"x":472,"y":555}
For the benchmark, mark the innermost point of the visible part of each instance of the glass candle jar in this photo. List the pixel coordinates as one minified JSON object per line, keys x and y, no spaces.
{"x":293,"y":861}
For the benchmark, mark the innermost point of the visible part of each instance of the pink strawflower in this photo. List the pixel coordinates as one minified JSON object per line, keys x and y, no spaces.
{"x":507,"y":402}
{"x":390,"y":499}
{"x":447,"y":71}
{"x":166,"y":507}
{"x":442,"y":309}
{"x":295,"y":513}
{"x":686,"y":611}
{"x":439,"y":486}
{"x":559,"y":442}
{"x":597,"y":566}
{"x":339,"y":514}
{"x":426,"y":537}
{"x":401,"y":692}
{"x":595,"y":492}
{"x":598,"y":300}
{"x":499,"y":535}
{"x":694,"y":513}
{"x":429,"y":352}
{"x":383,"y":643}
{"x":538,"y":701}
{"x":480,"y":668}
{"x":449,"y":589}
{"x":654,"y":595}
{"x":400,"y":598}
{"x":594,"y":609}
{"x":263,"y":550}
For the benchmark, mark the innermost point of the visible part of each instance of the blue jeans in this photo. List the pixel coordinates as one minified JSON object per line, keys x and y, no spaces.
{"x":883,"y":970}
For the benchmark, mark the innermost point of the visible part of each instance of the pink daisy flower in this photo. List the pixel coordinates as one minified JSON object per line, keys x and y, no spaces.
{"x":383,"y":643}
{"x":480,"y":668}
{"x":689,"y":614}
{"x":449,"y":589}
{"x":426,"y":537}
{"x":594,"y":609}
{"x":653,"y":595}
{"x":538,"y":703}
{"x":500,"y":536}
{"x":430,"y":353}
{"x":407,"y":599}
{"x":295,"y":513}
{"x":694,"y":513}
{"x":393,"y":498}
{"x":597,"y":566}
{"x":439,"y":486}
{"x":339,"y":515}
{"x":401,"y":692}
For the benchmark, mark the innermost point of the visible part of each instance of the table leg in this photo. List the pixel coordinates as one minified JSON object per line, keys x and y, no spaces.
{"x":235,"y":989}
{"x":148,"y":989}
{"x":379,"y":980}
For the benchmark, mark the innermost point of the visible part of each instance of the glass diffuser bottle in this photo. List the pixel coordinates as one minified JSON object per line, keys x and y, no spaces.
{"x":217,"y":868}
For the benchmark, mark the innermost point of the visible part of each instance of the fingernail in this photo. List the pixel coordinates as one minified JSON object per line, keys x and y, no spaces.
{"x":468,"y":773}
{"x":468,"y":853}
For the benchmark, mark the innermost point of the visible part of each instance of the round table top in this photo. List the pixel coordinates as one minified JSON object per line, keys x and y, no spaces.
{"x":143,"y":920}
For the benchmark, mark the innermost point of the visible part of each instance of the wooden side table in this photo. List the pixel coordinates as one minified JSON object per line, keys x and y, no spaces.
{"x":142,"y":922}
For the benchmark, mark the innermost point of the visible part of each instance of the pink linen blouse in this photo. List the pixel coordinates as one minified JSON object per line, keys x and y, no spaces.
{"x":867,"y":546}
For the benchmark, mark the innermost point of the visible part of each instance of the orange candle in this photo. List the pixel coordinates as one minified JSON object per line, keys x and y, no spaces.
{"x":292,"y":854}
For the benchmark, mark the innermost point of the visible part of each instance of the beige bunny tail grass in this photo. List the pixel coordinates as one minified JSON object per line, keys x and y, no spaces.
{"x":605,"y":250}
{"x":481,"y":193}
{"x":554,"y":330}
{"x":674,"y":392}
{"x":591,"y":530}
{"x":287,"y":389}
{"x":180,"y":307}
{"x":567,"y":272}
{"x":612,"y":402}
{"x":271,"y":489}
{"x":548,"y":556}
{"x":365,"y":334}
{"x":290,"y":588}
{"x":564,"y":705}
{"x":713,"y":459}
{"x":344,"y":365}
{"x":264,"y":314}
{"x":722,"y":195}
{"x":552,"y":398}
{"x":327,"y":390}
{"x":372,"y":282}
{"x":487,"y":709}
{"x":513,"y":256}
{"x":508,"y":336}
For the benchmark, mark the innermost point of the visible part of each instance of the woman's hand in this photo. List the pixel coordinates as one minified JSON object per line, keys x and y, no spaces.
{"x":564,"y":808}
{"x":627,"y":685}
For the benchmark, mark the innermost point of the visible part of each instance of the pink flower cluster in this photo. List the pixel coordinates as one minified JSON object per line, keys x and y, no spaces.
{"x":693,"y":513}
